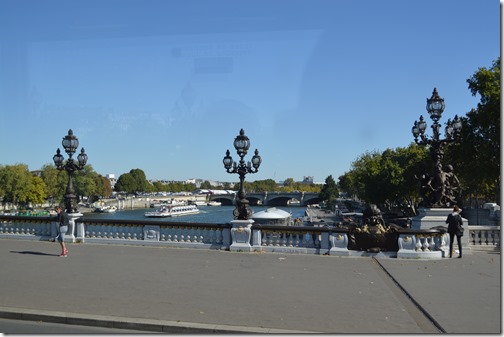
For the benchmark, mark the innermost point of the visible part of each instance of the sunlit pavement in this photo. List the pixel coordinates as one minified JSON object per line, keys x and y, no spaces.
{"x":191,"y":290}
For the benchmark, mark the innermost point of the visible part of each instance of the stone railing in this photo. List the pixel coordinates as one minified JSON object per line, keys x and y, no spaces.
{"x":430,"y":244}
{"x":484,"y":237}
{"x":177,"y":234}
{"x":38,"y":228}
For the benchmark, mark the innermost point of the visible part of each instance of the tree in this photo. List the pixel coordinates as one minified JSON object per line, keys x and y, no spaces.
{"x":266,"y":185}
{"x":476,"y":157}
{"x":16,"y":184}
{"x":387,"y":179}
{"x":140,"y":180}
{"x":85,"y":181}
{"x":206,"y":185}
{"x":37,"y":191}
{"x":103,"y":186}
{"x":133,"y":182}
{"x":55,"y":183}
{"x":126,"y":183}
{"x":289,"y":184}
{"x":329,"y":192}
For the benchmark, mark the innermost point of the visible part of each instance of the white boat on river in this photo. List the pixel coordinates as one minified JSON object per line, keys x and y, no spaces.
{"x":168,"y":211}
{"x":106,"y":209}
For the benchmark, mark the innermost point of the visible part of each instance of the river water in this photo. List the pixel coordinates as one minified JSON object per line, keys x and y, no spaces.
{"x":207,"y":214}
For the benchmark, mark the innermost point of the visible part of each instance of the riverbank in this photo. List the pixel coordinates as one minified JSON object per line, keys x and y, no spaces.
{"x":320,"y":217}
{"x":132,"y":203}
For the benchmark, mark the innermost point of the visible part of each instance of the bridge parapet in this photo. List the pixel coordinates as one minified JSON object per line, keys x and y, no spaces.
{"x":286,"y":239}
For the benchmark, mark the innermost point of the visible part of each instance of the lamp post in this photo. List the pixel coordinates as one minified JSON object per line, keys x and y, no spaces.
{"x":439,"y":188}
{"x":70,"y":144}
{"x":242,"y":144}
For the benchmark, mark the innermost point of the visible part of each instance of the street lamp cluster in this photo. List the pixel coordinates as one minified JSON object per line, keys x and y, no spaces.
{"x":70,"y":144}
{"x":440,"y":188}
{"x":242,"y":144}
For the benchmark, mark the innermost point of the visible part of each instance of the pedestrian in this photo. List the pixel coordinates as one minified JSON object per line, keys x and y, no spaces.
{"x":455,"y":228}
{"x":63,"y":222}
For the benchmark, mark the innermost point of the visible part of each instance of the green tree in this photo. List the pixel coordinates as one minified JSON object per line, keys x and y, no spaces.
{"x":16,"y":183}
{"x":37,"y":191}
{"x":329,"y":192}
{"x":126,"y":183}
{"x":133,"y":182}
{"x":206,"y":185}
{"x":387,"y":179}
{"x":140,"y":180}
{"x":91,"y":184}
{"x":55,"y":183}
{"x":266,"y":185}
{"x":476,"y":158}
{"x":289,"y":184}
{"x":364,"y":177}
{"x":85,"y":181}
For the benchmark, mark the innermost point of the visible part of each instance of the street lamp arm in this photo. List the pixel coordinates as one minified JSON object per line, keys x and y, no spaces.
{"x":424,"y":140}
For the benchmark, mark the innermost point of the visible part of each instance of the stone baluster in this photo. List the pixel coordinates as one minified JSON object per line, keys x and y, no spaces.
{"x":426,"y":247}
{"x":224,"y":237}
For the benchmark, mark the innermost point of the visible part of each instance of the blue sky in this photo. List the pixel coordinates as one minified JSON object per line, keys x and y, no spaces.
{"x":166,"y":85}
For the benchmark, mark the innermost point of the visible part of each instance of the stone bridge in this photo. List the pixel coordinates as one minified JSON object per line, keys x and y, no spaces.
{"x":270,"y":198}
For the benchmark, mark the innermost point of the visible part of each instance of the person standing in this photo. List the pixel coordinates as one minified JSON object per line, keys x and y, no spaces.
{"x":455,"y":228}
{"x":63,"y":222}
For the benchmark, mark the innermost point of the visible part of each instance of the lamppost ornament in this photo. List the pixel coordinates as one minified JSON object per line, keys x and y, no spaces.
{"x":242,"y":144}
{"x":440,"y":188}
{"x":70,"y":144}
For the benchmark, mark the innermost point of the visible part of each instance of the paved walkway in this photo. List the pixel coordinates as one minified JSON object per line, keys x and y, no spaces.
{"x":190,"y":290}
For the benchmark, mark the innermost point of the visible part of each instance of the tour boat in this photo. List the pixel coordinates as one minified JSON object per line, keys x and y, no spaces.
{"x":172,"y":202}
{"x":105,"y":209}
{"x":167,"y":211}
{"x":109,"y":209}
{"x":214,"y":203}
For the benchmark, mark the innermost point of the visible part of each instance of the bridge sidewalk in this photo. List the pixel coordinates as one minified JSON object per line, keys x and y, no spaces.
{"x":190,"y":290}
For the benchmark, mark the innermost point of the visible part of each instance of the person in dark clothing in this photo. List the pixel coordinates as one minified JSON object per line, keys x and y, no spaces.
{"x":63,"y":222}
{"x":455,"y":228}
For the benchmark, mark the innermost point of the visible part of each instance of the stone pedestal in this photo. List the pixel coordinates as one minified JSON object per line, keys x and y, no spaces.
{"x":434,"y":217}
{"x":241,"y":232}
{"x":70,"y":236}
{"x":151,"y":232}
{"x":339,"y":244}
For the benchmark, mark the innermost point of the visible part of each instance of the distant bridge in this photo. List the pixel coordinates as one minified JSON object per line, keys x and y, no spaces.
{"x":270,"y":198}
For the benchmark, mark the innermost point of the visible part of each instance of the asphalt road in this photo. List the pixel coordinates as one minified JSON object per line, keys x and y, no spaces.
{"x":206,"y":290}
{"x":15,"y":326}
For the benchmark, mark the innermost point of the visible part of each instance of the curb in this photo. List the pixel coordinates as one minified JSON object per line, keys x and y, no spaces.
{"x":141,"y":324}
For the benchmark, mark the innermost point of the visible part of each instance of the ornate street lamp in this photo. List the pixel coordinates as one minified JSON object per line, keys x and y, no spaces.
{"x":437,"y":190}
{"x":242,"y":144}
{"x":70,"y":144}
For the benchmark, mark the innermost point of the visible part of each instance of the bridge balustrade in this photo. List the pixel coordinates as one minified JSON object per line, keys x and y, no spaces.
{"x":266,"y":238}
{"x":484,"y":237}
{"x":25,"y":226}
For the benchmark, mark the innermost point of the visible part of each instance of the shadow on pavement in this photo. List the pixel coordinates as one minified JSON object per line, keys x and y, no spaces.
{"x":34,"y":253}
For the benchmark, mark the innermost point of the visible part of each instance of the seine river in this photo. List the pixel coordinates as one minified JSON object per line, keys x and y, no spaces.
{"x":207,"y":214}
